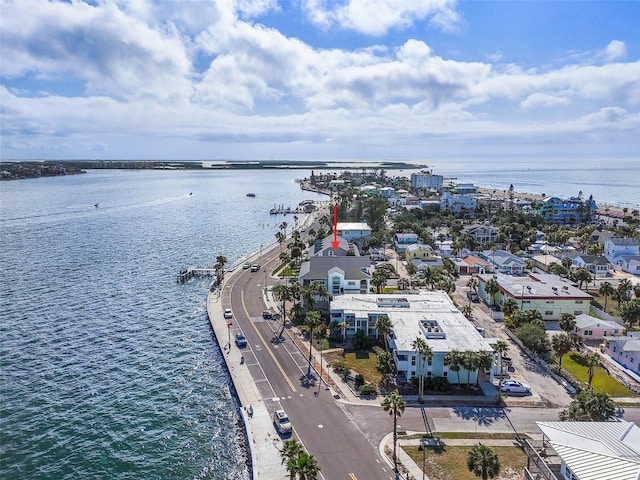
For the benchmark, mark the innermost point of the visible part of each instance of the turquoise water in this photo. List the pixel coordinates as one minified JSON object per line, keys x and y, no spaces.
{"x":109,"y":368}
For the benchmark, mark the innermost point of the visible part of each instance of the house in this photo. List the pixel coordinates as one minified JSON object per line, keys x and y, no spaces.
{"x":353,"y":231}
{"x":431,"y":262}
{"x":616,"y":246}
{"x":585,"y":451}
{"x":402,"y":240}
{"x":625,"y":351}
{"x":340,"y":274}
{"x":593,"y":328}
{"x":431,"y":316}
{"x":549,"y":294}
{"x":570,"y":211}
{"x":598,"y":265}
{"x":324,"y":247}
{"x":629,"y":263}
{"x":481,"y":233}
{"x":444,"y":247}
{"x":418,"y":251}
{"x":457,"y":202}
{"x":505,"y":262}
{"x":471,"y":265}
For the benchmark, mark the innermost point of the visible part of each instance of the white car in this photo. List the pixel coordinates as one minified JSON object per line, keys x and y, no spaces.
{"x":282,"y":422}
{"x":512,"y":386}
{"x":228,"y":313}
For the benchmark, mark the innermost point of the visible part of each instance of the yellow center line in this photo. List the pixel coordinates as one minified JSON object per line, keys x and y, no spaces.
{"x":265,"y":344}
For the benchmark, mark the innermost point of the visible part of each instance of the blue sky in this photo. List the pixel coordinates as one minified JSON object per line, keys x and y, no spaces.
{"x":319,"y":79}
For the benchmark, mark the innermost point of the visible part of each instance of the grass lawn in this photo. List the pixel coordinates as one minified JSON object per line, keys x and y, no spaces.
{"x":364,"y":363}
{"x":612,"y":304}
{"x":450,"y":462}
{"x":481,"y":435}
{"x":602,"y":381}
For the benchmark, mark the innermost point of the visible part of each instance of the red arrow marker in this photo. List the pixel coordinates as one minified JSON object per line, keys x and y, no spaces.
{"x":335,"y":242}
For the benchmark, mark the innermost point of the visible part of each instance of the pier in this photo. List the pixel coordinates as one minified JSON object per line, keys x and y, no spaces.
{"x":189,"y":273}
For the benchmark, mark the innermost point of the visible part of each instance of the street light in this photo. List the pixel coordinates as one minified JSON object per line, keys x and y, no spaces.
{"x":422,"y":448}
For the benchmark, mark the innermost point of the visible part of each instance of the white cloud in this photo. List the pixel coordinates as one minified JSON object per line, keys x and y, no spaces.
{"x":616,"y":50}
{"x":543,"y":100}
{"x":377,"y":17}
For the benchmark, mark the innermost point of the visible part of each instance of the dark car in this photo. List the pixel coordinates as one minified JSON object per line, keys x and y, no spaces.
{"x":241,"y":341}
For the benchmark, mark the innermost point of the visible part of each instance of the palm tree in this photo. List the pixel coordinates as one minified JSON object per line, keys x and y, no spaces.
{"x":394,"y":404}
{"x":469,"y":363}
{"x":509,"y":306}
{"x":424,"y":351}
{"x":305,"y":466}
{"x":403,"y":283}
{"x":466,"y":310}
{"x":606,"y":290}
{"x":379,"y":280}
{"x":431,"y":276}
{"x":561,"y":345}
{"x":593,"y":360}
{"x":282,"y":293}
{"x":221,"y":261}
{"x":473,"y":284}
{"x":492,"y":287}
{"x":483,"y":462}
{"x":581,"y":275}
{"x":384,"y":327}
{"x":501,"y":347}
{"x":589,"y":406}
{"x":290,"y":449}
{"x":567,"y":322}
{"x":454,"y":360}
{"x":313,"y":321}
{"x":483,"y":361}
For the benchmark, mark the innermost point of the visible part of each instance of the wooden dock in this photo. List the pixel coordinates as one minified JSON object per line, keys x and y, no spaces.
{"x":189,"y":273}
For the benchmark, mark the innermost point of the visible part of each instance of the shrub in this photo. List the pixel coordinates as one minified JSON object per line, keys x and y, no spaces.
{"x":341,"y":369}
{"x":359,"y":380}
{"x":369,"y":389}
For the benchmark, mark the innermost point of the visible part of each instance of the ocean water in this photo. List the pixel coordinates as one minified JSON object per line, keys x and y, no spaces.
{"x":108,"y":367}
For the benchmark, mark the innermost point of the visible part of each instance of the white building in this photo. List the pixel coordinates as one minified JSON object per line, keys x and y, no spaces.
{"x":594,"y":450}
{"x":615,"y":246}
{"x":426,"y":179}
{"x":431,"y":316}
{"x":458,"y":202}
{"x":353,"y":231}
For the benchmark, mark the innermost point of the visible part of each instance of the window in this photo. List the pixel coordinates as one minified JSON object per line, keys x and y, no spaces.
{"x":429,"y":362}
{"x":548,"y":312}
{"x":526,"y":301}
{"x":588,"y":332}
{"x":413,"y":361}
{"x":579,"y":302}
{"x":577,"y":312}
{"x":550,"y":301}
{"x":402,"y":358}
{"x":604,"y":334}
{"x":444,"y":374}
{"x":428,"y":374}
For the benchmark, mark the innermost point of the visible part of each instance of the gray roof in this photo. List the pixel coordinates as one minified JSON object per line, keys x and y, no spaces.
{"x":623,"y":241}
{"x":594,"y":259}
{"x":584,"y":321}
{"x":326,"y":244}
{"x":355,"y":268}
{"x":596,"y":450}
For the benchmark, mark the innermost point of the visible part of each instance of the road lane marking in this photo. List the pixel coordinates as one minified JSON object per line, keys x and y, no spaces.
{"x":275,"y":360}
{"x":352,"y":476}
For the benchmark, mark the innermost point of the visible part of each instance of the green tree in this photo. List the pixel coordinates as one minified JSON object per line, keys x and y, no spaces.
{"x":622,"y":292}
{"x":221,"y":261}
{"x":473,"y":284}
{"x":374,"y":212}
{"x":567,"y":322}
{"x":424,"y":352}
{"x":492,"y":287}
{"x":466,"y":310}
{"x":284,"y":294}
{"x":534,"y":337}
{"x":483,"y":462}
{"x":379,"y":279}
{"x":501,"y":347}
{"x":630,"y":312}
{"x":453,"y":359}
{"x":384,"y":328}
{"x":313,"y":321}
{"x":509,"y":306}
{"x":561,"y":344}
{"x":394,"y":404}
{"x":606,"y":290}
{"x":484,"y":361}
{"x":589,"y":406}
{"x":431,"y":277}
{"x":469,"y":363}
{"x":305,"y":466}
{"x":290,"y":451}
{"x":386,"y":366}
{"x":592,"y":361}
{"x":581,"y":275}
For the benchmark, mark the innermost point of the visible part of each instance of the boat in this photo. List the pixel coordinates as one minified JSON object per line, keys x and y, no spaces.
{"x":251,"y":194}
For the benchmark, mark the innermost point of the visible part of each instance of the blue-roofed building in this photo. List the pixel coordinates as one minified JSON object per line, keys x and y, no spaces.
{"x":571,"y":211}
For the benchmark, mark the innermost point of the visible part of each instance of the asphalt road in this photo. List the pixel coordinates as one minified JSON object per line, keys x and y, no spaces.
{"x":325,"y":427}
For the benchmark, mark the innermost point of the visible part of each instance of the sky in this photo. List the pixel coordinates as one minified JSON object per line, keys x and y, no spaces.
{"x":319,"y":79}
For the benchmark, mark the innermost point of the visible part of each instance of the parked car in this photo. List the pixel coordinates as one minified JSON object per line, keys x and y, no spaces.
{"x":246,"y":266}
{"x":241,"y":341}
{"x":282,"y":422}
{"x":255,"y":267}
{"x":513,"y":386}
{"x":228,"y":313}
{"x":267,"y":315}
